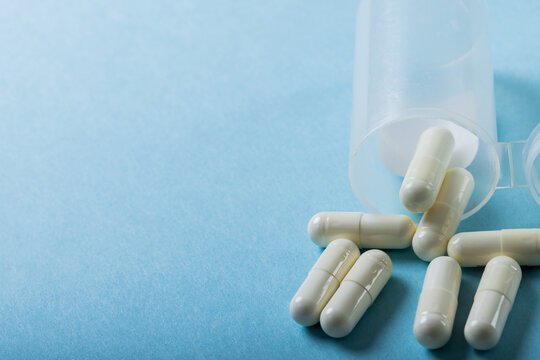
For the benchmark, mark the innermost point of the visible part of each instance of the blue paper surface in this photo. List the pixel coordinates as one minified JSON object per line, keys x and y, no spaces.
{"x":160,"y":161}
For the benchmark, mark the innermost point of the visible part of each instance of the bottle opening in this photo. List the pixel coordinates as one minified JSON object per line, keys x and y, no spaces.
{"x":378,"y":163}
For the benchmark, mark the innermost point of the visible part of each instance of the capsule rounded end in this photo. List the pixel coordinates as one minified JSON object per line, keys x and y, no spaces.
{"x":432,"y":331}
{"x":406,"y":228}
{"x":304,"y":311}
{"x":481,"y":335}
{"x":335,"y":323}
{"x":428,"y":244}
{"x":506,"y":261}
{"x":461,"y":173}
{"x":317,"y":229}
{"x":448,"y":263}
{"x":346,"y":244}
{"x":455,"y":248}
{"x":441,"y":132}
{"x":380,"y":256}
{"x":417,"y":195}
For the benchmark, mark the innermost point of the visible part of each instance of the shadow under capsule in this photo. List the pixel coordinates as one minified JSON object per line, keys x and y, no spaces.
{"x":517,"y":325}
{"x":457,"y":347}
{"x":376,"y":318}
{"x":520,"y":318}
{"x":372,"y":324}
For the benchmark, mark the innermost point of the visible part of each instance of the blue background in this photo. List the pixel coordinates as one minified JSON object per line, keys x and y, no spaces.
{"x":159,"y":162}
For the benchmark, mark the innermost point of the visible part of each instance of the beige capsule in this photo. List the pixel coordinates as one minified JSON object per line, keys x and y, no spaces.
{"x":322,"y":281}
{"x":380,"y":231}
{"x":356,"y":293}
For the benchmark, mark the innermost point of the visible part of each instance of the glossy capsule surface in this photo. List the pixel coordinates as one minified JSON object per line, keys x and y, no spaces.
{"x":426,"y":170}
{"x":441,"y":221}
{"x":477,"y":248}
{"x":356,"y":293}
{"x":492,"y":303}
{"x":437,"y":303}
{"x":322,"y":281}
{"x":379,"y":231}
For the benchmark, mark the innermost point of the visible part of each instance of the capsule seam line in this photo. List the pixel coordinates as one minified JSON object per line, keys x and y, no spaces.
{"x":347,"y":250}
{"x":328,"y":272}
{"x":497,"y":291}
{"x":440,"y":163}
{"x":437,"y":230}
{"x":447,"y":204}
{"x":435,"y":313}
{"x":441,"y":289}
{"x":433,"y":158}
{"x":363,"y":287}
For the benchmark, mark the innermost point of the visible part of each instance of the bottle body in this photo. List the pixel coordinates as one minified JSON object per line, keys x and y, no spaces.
{"x":411,"y":75}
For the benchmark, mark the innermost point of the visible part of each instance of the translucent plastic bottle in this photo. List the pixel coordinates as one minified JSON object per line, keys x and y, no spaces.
{"x":425,"y":63}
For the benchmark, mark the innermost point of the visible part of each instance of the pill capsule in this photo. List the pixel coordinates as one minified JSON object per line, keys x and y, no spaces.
{"x":477,"y":248}
{"x":438,"y":303}
{"x":356,"y":293}
{"x":426,"y":170}
{"x":440,"y":222}
{"x":365,"y":230}
{"x":323,"y":281}
{"x":492,"y":302}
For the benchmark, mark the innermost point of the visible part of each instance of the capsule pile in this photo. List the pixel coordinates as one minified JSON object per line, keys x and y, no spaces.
{"x":343,"y":284}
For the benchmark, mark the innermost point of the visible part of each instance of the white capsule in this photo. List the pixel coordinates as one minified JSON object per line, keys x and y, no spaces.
{"x":365,"y":230}
{"x":323,"y":281}
{"x":492,"y":302}
{"x":477,"y":248}
{"x":426,"y":170}
{"x":438,"y":303}
{"x":356,"y":293}
{"x":441,"y":221}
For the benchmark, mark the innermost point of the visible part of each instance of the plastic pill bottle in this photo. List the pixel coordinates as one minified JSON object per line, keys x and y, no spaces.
{"x":424,"y":63}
